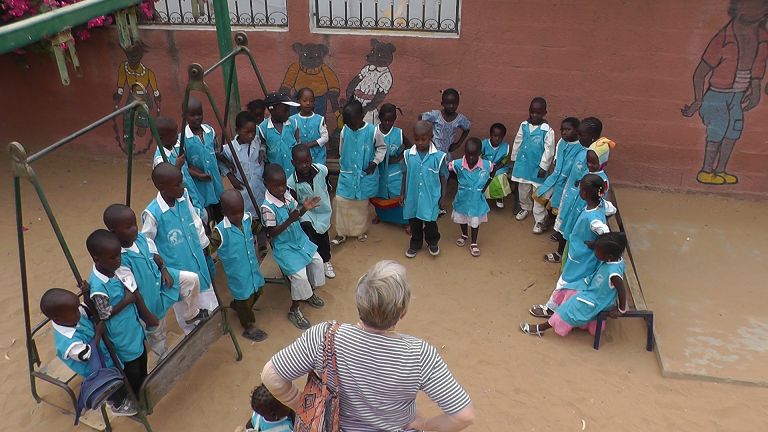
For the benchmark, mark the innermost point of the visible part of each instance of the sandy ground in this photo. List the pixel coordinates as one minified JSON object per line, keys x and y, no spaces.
{"x":468,"y":308}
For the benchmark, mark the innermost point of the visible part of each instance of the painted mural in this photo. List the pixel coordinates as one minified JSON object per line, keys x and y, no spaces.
{"x":310,"y":70}
{"x":130,"y":72}
{"x":374,"y":81}
{"x":727,"y":83}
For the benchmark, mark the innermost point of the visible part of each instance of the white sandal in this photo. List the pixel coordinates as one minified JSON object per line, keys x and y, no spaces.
{"x":338,"y":240}
{"x":528,"y":329}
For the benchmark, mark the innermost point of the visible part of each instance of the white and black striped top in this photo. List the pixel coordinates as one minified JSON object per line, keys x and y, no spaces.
{"x":379,"y":376}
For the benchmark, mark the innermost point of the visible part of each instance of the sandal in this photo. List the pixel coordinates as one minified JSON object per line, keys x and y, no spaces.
{"x":531,"y":329}
{"x":461,"y":241}
{"x":338,"y":240}
{"x":474,"y":250}
{"x":362,"y":238}
{"x":541,"y":311}
{"x":553,"y":258}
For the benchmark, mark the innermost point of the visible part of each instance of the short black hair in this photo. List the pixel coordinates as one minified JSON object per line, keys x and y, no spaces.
{"x":614,"y":243}
{"x":388,"y":108}
{"x":272,"y":171}
{"x":539,"y":100}
{"x":116,"y":212}
{"x":500,"y":127}
{"x":475,"y":142}
{"x":351,"y":110}
{"x":593,"y":184}
{"x":53,"y":299}
{"x":302,"y":90}
{"x":256,"y":105}
{"x":450,"y":92}
{"x":264,"y":403}
{"x":573,"y":121}
{"x":165,"y":122}
{"x":298,"y":150}
{"x":593,"y":125}
{"x":99,"y":241}
{"x":243,"y":118}
{"x":164,"y":169}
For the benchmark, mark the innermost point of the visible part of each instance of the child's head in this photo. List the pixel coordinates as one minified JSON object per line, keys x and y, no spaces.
{"x":589,"y":130}
{"x":245,"y":126}
{"x":274,"y":180}
{"x":353,"y":114}
{"x":569,"y":129}
{"x":264,"y":404}
{"x":168,"y":181}
{"x":120,"y":220}
{"x":306,"y":99}
{"x":301,"y":159}
{"x":387,"y":117}
{"x":498,"y":132}
{"x":472,"y":150}
{"x":194,"y":113}
{"x":422,"y":135}
{"x":61,"y":306}
{"x":609,"y":246}
{"x":232,"y":205}
{"x":256,"y":107}
{"x":537,"y":111}
{"x":168,"y":131}
{"x":104,"y":248}
{"x":279,"y":105}
{"x":450,"y":100}
{"x":591,"y":188}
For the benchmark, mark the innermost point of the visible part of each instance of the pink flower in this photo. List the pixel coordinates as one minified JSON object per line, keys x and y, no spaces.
{"x":83,"y":35}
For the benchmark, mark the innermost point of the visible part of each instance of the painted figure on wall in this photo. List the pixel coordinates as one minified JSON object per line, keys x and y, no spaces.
{"x":130,"y":72}
{"x":310,"y":70}
{"x":374,"y":81}
{"x":735,"y":62}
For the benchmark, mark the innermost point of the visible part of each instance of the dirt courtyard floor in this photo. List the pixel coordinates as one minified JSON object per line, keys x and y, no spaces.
{"x":468,"y":308}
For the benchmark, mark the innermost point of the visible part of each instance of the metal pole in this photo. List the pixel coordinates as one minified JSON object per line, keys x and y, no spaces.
{"x":224,"y":36}
{"x":129,"y":144}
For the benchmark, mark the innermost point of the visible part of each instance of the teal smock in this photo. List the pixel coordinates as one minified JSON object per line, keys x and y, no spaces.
{"x":422,"y":186}
{"x":309,"y":130}
{"x":566,"y":156}
{"x":320,"y":217}
{"x":581,"y":260}
{"x":358,"y":149}
{"x":279,"y":144}
{"x":64,"y":337}
{"x":124,"y":329}
{"x":259,"y":424}
{"x":291,"y":249}
{"x":202,"y":155}
{"x":497,"y":155}
{"x":595,"y":295}
{"x":239,"y":259}
{"x":140,"y":259}
{"x":391,"y":174}
{"x":172,"y":155}
{"x":469,"y":199}
{"x":529,"y":154}
{"x":571,"y":204}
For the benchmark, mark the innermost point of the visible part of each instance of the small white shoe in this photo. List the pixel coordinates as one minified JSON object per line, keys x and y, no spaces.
{"x":522,"y":214}
{"x":500,"y":204}
{"x":329,"y":273}
{"x":539,"y":228}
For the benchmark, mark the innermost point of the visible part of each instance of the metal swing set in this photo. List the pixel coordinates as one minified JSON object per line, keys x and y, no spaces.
{"x":169,"y":370}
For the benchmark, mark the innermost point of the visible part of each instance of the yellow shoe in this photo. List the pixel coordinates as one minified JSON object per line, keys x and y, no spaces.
{"x":729,"y":178}
{"x":709,"y":178}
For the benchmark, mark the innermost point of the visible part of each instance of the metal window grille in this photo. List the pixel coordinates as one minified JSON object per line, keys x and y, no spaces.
{"x":425,"y":16}
{"x":248,"y":13}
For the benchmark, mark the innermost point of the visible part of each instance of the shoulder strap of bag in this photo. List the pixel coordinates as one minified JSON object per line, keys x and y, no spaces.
{"x":329,"y":354}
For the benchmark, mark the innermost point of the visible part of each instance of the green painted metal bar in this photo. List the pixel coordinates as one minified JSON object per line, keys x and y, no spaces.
{"x":129,"y":138}
{"x":28,"y":31}
{"x":224,"y":36}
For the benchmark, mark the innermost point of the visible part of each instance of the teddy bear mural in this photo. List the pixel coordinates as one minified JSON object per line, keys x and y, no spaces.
{"x":374,"y":81}
{"x":310,"y":70}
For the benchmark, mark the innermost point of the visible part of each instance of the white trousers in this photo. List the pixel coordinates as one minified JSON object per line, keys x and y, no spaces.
{"x":186,"y":308}
{"x":540,"y":211}
{"x":302,"y":282}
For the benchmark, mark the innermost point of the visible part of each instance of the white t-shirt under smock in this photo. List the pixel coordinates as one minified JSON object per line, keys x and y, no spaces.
{"x":379,"y":376}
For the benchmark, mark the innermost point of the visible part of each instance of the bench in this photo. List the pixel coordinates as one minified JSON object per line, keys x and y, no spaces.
{"x":644,"y":314}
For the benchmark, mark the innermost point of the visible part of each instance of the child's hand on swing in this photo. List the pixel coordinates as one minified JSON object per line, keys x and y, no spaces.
{"x":85,"y":288}
{"x":180,"y":160}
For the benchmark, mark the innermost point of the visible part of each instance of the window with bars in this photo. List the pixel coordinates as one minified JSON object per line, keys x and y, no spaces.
{"x":419,"y":16}
{"x":246,"y":13}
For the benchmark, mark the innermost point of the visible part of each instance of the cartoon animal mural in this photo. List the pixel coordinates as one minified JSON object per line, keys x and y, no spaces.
{"x":131,"y":72}
{"x":735,"y":62}
{"x":374,"y":81}
{"x":310,"y":70}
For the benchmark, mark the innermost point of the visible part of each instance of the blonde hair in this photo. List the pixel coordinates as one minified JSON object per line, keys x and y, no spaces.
{"x":382,"y":295}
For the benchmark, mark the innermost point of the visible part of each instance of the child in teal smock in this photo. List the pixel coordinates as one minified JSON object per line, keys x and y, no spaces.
{"x":200,"y":150}
{"x":269,"y":414}
{"x":294,"y":253}
{"x":387,"y":201}
{"x":496,"y":151}
{"x":425,"y":173}
{"x":311,"y":180}
{"x":596,"y":293}
{"x":312,"y":130}
{"x":470,"y":207}
{"x":278,"y":132}
{"x":233,"y":238}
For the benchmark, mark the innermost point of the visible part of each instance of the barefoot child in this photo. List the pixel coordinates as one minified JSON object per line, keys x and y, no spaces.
{"x":296,"y":256}
{"x":269,"y":414}
{"x":496,"y":151}
{"x":233,"y":239}
{"x":469,"y":206}
{"x":425,"y":174}
{"x":311,"y":180}
{"x":387,"y":201}
{"x":446,"y":122}
{"x":312,"y":130}
{"x":278,"y":132}
{"x":73,"y":330}
{"x":531,"y":157}
{"x":118,"y":304}
{"x":172,"y":223}
{"x":160,"y":287}
{"x":596,"y":293}
{"x":200,"y":149}
{"x":361,"y":151}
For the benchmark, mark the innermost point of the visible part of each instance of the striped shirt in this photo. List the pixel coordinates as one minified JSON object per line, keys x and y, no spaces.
{"x":379,"y":375}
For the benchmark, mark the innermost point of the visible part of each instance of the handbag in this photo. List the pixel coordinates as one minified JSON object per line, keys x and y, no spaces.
{"x":99,"y":385}
{"x":318,"y":409}
{"x":498,"y":187}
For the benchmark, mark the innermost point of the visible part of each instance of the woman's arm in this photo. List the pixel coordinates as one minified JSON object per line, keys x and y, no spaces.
{"x":446,"y":422}
{"x":281,"y":388}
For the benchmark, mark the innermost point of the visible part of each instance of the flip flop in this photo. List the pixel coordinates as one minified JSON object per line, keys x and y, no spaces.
{"x":338,"y":240}
{"x":541,"y":311}
{"x":474,"y":250}
{"x":362,"y":238}
{"x":553,"y":258}
{"x":531,"y":329}
{"x":461,"y":241}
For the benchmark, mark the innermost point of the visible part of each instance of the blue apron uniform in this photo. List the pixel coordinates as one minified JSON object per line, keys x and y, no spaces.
{"x":124,"y":329}
{"x":84,"y":333}
{"x":291,"y":249}
{"x":259,"y":424}
{"x":581,"y":260}
{"x":469,"y":199}
{"x":529,"y":155}
{"x":239,"y":258}
{"x":423,"y":187}
{"x":497,"y":155}
{"x":357,"y":151}
{"x":309,"y":130}
{"x":391,"y":175}
{"x":572,"y":205}
{"x":202,"y":155}
{"x":320,"y":217}
{"x":149,"y":279}
{"x":566,"y":156}
{"x":279,"y":144}
{"x":595,"y":295}
{"x":197,"y":201}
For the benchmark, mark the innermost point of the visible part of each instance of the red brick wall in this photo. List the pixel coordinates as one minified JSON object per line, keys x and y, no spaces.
{"x":629,"y":63}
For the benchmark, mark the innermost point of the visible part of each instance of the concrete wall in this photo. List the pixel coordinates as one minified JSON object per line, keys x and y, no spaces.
{"x":629,"y":63}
